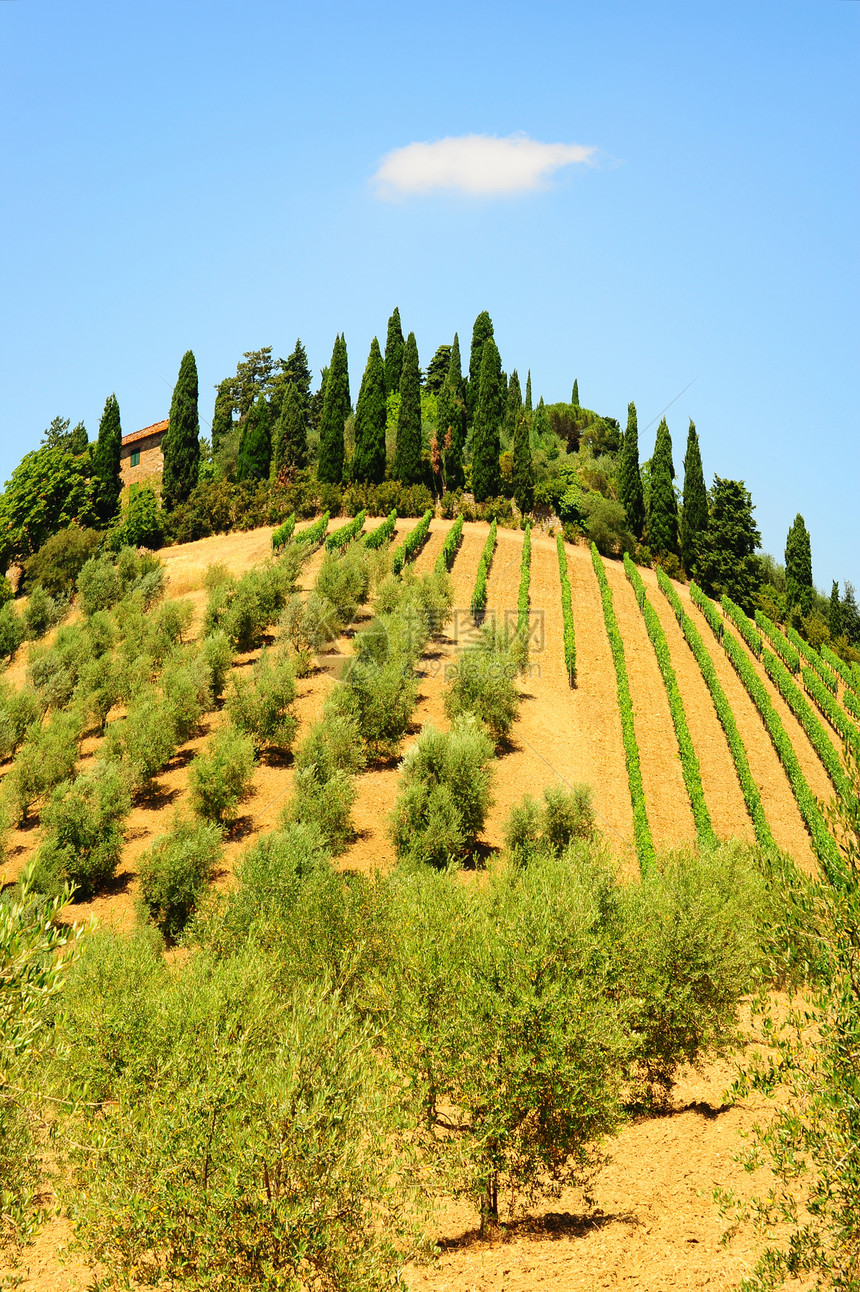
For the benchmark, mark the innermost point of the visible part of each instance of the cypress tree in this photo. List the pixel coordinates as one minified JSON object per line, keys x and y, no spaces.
{"x":835,"y":613}
{"x":481,"y":332}
{"x":295,"y":370}
{"x":523,"y":472}
{"x":335,"y":411}
{"x":727,"y":561}
{"x":181,"y":444}
{"x":106,"y":455}
{"x":798,"y":567}
{"x":222,"y":417}
{"x":407,"y":452}
{"x":368,"y":462}
{"x":663,"y":508}
{"x":629,"y":476}
{"x":529,"y":391}
{"x":255,"y":446}
{"x":486,"y":481}
{"x":540,"y":422}
{"x":451,"y":419}
{"x":694,"y":516}
{"x":393,"y":354}
{"x":78,"y":440}
{"x":514,"y":403}
{"x":574,"y":398}
{"x":290,"y":441}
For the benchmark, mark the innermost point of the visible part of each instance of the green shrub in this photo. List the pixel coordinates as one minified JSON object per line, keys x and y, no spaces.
{"x":54,"y":670}
{"x":444,"y":794}
{"x":83,"y":820}
{"x":220,"y":778}
{"x":483,"y":681}
{"x":549,"y":827}
{"x":42,"y":612}
{"x":333,"y":745}
{"x":259,"y":705}
{"x":245,"y":608}
{"x":101,"y":684}
{"x":99,"y":585}
{"x":145,"y":740}
{"x":47,"y":757}
{"x":12,"y":631}
{"x":185,"y":685}
{"x":59,"y":561}
{"x":21,"y":709}
{"x":344,"y":581}
{"x":218,"y":658}
{"x":380,"y":699}
{"x":606,"y":522}
{"x":174,"y":873}
{"x":325,"y":803}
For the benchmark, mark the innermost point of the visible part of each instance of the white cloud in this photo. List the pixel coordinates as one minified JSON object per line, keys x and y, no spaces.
{"x":480,"y":165}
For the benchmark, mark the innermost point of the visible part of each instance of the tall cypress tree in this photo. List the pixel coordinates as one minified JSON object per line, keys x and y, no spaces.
{"x":663,"y":508}
{"x":629,"y":476}
{"x":486,"y":481}
{"x":293,"y":371}
{"x":798,"y":567}
{"x":540,"y":422}
{"x":222,"y":417}
{"x":407,"y":452}
{"x":694,"y":516}
{"x":335,"y":411}
{"x":181,"y":444}
{"x":255,"y":446}
{"x":482,"y":331}
{"x":394,"y":344}
{"x":451,"y":419}
{"x":290,"y":440}
{"x":523,"y":472}
{"x":529,"y":391}
{"x":106,"y":455}
{"x":514,"y":402}
{"x":574,"y":398}
{"x":835,"y":613}
{"x":368,"y":462}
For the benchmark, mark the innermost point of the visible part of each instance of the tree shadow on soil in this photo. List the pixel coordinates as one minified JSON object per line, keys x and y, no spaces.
{"x":550,"y":1227}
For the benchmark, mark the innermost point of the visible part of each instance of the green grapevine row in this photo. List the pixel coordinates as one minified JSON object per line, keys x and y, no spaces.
{"x":708,"y":609}
{"x":479,"y":596}
{"x":689,"y":762}
{"x":567,"y":612}
{"x":834,"y":714}
{"x":314,"y":533}
{"x":282,"y":535}
{"x":780,"y":643}
{"x":812,"y":657}
{"x":453,"y":539}
{"x":839,"y":666}
{"x":726,"y":717}
{"x":346,"y":533}
{"x":525,"y":577}
{"x":382,"y":533}
{"x":743,"y":623}
{"x":805,"y":714}
{"x":412,"y":543}
{"x":641,"y":828}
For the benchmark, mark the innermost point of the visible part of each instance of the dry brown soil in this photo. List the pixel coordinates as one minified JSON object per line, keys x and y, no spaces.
{"x":653,"y":1224}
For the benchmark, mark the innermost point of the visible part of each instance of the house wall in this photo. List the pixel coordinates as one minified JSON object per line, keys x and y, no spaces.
{"x":148,"y":470}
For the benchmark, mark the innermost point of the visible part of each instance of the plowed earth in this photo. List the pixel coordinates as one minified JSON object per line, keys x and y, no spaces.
{"x":653,"y":1223}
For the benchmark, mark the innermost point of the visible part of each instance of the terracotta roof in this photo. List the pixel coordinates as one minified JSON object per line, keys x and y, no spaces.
{"x":155,"y":429}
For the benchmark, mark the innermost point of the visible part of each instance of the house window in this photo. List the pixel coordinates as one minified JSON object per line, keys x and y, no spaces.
{"x":135,"y":458}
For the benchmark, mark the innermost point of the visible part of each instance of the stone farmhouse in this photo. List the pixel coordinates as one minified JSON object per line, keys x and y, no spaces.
{"x":140,"y":457}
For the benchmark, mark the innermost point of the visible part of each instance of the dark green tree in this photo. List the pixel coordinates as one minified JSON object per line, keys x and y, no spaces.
{"x":629,"y":476}
{"x":451,"y":420}
{"x":78,"y":439}
{"x":181,"y":444}
{"x":727,"y":561}
{"x":514,"y":403}
{"x":663,"y":505}
{"x":541,"y":424}
{"x":798,"y":568}
{"x":106,"y":455}
{"x":222,"y":416}
{"x":694,"y":516}
{"x":481,"y":332}
{"x":290,"y":440}
{"x":437,"y":370}
{"x":255,"y":447}
{"x":58,"y":436}
{"x":254,"y":377}
{"x":850,"y":614}
{"x":529,"y":391}
{"x":574,"y":398}
{"x":335,"y":411}
{"x":368,"y":463}
{"x":48,"y":491}
{"x":393,"y":354}
{"x":293,"y":371}
{"x":835,"y":613}
{"x":407,"y":452}
{"x":486,"y":481}
{"x":523,"y":473}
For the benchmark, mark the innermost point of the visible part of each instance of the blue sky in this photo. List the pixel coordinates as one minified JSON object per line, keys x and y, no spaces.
{"x":202,"y":175}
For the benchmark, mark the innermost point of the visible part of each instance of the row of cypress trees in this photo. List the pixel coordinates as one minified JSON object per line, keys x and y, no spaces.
{"x":667,"y":530}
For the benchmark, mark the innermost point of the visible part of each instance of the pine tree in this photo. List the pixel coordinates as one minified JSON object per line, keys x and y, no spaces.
{"x":663,"y":508}
{"x":835,"y":613}
{"x":290,"y":440}
{"x":629,"y":476}
{"x":523,"y":472}
{"x":106,"y":456}
{"x":694,"y":516}
{"x":798,"y":567}
{"x":335,"y":411}
{"x":486,"y":481}
{"x":293,"y":371}
{"x":574,"y":398}
{"x":727,"y":561}
{"x":222,"y":417}
{"x":529,"y":391}
{"x":255,"y":446}
{"x":181,"y":444}
{"x":368,"y":463}
{"x":393,"y":354}
{"x":514,"y":403}
{"x":407,"y":452}
{"x":481,"y":332}
{"x":451,"y":420}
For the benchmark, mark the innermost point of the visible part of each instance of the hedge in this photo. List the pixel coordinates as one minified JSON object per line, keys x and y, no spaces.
{"x":726,"y":717}
{"x":708,"y":609}
{"x":314,"y":533}
{"x":641,"y":828}
{"x":842,"y":725}
{"x":346,"y":533}
{"x":807,"y":652}
{"x":839,"y":666}
{"x":567,"y":612}
{"x":450,"y":547}
{"x":382,"y":533}
{"x":822,"y":841}
{"x":412,"y":543}
{"x":525,"y":579}
{"x":689,"y":762}
{"x":282,"y":535}
{"x":743,"y":623}
{"x":780,"y":643}
{"x":479,"y":596}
